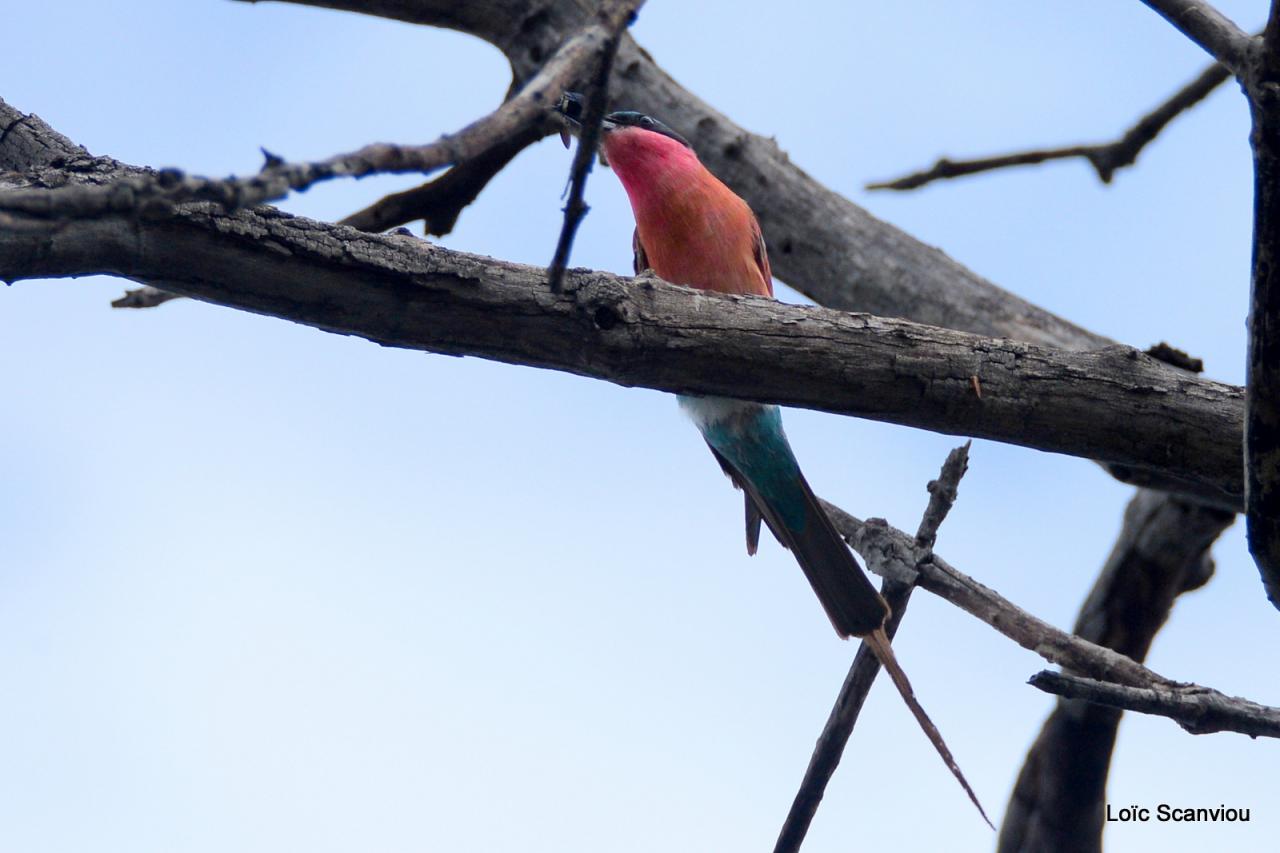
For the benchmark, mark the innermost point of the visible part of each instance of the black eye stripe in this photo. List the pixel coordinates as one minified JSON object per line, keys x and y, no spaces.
{"x":630,"y":118}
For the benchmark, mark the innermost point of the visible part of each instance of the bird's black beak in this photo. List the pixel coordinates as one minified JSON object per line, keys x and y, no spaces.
{"x":570,"y":107}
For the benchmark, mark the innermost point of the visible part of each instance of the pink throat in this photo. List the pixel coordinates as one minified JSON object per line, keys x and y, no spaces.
{"x":649,"y":166}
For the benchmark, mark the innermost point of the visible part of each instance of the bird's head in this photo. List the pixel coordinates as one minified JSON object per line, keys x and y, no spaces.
{"x":627,"y":136}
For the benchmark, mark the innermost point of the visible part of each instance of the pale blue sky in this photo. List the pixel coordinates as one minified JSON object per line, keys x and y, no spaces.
{"x":265,"y":588}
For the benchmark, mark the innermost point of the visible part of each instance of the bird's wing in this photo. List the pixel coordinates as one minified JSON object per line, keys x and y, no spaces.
{"x":753,"y":515}
{"x":639,"y":259}
{"x":761,"y":255}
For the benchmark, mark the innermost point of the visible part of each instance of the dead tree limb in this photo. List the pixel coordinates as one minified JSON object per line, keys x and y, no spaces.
{"x":1106,"y":158}
{"x":1197,"y":709}
{"x":439,"y":202}
{"x":891,"y":553}
{"x":1209,"y":28}
{"x":1117,"y":404}
{"x":1262,"y":401}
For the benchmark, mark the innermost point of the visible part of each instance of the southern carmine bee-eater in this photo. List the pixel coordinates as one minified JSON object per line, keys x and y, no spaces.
{"x":693,"y":230}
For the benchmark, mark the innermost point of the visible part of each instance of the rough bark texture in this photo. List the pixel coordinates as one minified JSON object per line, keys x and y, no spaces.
{"x":1209,"y":28}
{"x":1057,"y":803}
{"x":1115,"y":404}
{"x":26,"y":142}
{"x":1262,"y":430}
{"x":1196,"y":709}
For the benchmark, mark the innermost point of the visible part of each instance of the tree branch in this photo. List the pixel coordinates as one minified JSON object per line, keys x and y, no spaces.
{"x":891,"y":553}
{"x":26,"y":142}
{"x":152,"y":193}
{"x":1106,"y":158}
{"x":942,"y":495}
{"x":1162,"y":551}
{"x":1117,"y":405}
{"x":1262,"y":379}
{"x":439,"y":202}
{"x":857,"y":684}
{"x":1199,"y":710}
{"x":1209,"y":28}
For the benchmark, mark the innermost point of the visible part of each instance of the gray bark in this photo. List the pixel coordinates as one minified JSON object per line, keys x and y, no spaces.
{"x":1115,"y":404}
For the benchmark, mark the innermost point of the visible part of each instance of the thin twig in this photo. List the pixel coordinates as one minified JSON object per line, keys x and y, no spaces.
{"x":1199,"y":710}
{"x":597,"y":101}
{"x":891,"y":552}
{"x":857,"y":684}
{"x":153,"y":194}
{"x":438,"y":202}
{"x":942,"y":495}
{"x":1106,"y":158}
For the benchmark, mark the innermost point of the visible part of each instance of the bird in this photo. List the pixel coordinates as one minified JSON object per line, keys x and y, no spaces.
{"x":692,"y":230}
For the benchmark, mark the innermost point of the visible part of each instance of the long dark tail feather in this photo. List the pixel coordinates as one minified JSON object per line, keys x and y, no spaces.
{"x":851,"y":602}
{"x":878,"y":641}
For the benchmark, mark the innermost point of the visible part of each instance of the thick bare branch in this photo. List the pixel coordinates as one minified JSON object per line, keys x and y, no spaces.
{"x":1209,"y":28}
{"x":862,"y":673}
{"x":1224,"y":492}
{"x":1116,"y":404}
{"x":1162,"y":551}
{"x":26,"y":142}
{"x":1106,"y":158}
{"x":1262,"y":427}
{"x":1199,"y":710}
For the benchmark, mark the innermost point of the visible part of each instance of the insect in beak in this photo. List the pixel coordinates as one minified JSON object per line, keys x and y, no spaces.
{"x":570,"y":107}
